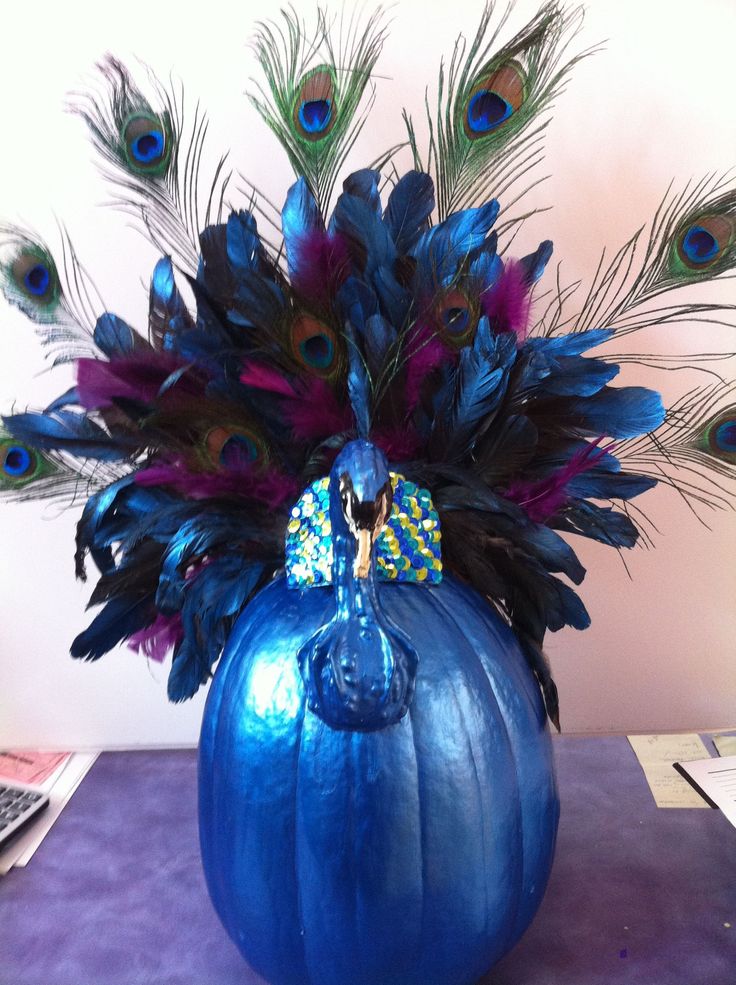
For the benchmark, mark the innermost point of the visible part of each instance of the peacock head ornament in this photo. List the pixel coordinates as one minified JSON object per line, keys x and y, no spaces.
{"x":346,"y":463}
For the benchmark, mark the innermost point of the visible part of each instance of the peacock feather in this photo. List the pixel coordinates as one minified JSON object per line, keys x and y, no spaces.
{"x":375,"y":383}
{"x":314,"y":87}
{"x":61,"y":305}
{"x":489,"y":125}
{"x":152,"y":159}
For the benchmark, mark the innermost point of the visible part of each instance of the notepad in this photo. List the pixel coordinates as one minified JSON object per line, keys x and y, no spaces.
{"x":715,"y":779}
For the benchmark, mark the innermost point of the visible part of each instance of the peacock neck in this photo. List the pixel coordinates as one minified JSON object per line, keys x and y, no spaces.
{"x":353,"y":595}
{"x":359,"y":668}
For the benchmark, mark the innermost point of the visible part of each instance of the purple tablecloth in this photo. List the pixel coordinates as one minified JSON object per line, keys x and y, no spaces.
{"x":116,"y":896}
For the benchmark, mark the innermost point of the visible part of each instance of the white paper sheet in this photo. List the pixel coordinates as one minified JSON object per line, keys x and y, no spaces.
{"x":717,"y":779}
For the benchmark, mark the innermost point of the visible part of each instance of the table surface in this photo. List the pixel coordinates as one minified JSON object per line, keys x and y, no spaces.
{"x":115,"y":895}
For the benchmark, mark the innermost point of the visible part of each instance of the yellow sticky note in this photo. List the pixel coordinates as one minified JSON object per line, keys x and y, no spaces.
{"x":656,"y":754}
{"x":725,"y":744}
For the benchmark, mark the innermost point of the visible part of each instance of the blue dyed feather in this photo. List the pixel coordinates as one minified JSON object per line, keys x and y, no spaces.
{"x":623,"y":412}
{"x":243,"y":243}
{"x":194,"y":538}
{"x":65,"y":430}
{"x":114,"y":337}
{"x":408,"y":210}
{"x":479,"y":385}
{"x":69,"y":398}
{"x":440,"y":250}
{"x":167,"y":313}
{"x":534,"y":264}
{"x":359,"y":389}
{"x":601,"y":523}
{"x":212,"y":601}
{"x":363,"y":184}
{"x":370,"y":241}
{"x":119,"y":619}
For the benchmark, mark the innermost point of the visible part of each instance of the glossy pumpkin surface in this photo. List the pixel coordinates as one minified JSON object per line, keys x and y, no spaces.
{"x":414,"y":855}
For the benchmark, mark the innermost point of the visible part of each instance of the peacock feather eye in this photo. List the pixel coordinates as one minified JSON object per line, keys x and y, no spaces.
{"x":315,"y":113}
{"x":494,"y":100}
{"x":704,"y":241}
{"x":315,"y":345}
{"x":234,"y":449}
{"x":147,"y":143}
{"x":718,"y":436}
{"x":457,"y":318}
{"x":33,"y":274}
{"x":20,"y":464}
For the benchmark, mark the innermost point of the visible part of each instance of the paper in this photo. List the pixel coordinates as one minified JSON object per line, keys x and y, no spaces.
{"x":23,"y":766}
{"x":725,"y":744}
{"x":717,"y":780}
{"x":60,"y":787}
{"x":656,"y":754}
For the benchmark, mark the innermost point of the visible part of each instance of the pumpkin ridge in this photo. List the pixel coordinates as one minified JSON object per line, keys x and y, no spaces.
{"x":443,"y":603}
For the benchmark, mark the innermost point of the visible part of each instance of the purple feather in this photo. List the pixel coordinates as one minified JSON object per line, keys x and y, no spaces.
{"x":398,"y":444}
{"x":321,"y":264}
{"x":428,"y":351}
{"x":310,"y":407}
{"x":156,"y":640}
{"x":137,"y":377}
{"x":544,"y":497}
{"x":265,"y":484}
{"x":507,"y":304}
{"x":265,"y":378}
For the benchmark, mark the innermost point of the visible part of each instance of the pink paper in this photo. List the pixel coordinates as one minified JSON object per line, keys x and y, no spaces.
{"x":26,"y":766}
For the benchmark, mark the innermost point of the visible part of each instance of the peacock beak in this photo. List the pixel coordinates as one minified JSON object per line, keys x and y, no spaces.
{"x":365,"y":521}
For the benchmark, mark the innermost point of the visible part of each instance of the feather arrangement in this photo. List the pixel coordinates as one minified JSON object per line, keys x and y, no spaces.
{"x":391,"y":314}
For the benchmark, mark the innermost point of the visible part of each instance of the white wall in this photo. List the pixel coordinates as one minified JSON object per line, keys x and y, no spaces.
{"x":655,"y":105}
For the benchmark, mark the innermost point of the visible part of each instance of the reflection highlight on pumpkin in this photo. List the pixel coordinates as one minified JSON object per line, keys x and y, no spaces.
{"x":275,"y":691}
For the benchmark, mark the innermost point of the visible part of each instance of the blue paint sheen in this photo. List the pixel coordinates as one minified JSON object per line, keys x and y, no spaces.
{"x":413,"y":855}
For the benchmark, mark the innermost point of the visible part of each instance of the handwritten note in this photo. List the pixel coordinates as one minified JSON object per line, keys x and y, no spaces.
{"x":717,"y":780}
{"x":656,"y":754}
{"x":725,"y":744}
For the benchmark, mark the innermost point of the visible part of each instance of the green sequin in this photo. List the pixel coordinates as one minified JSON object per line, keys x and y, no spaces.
{"x":408,"y":548}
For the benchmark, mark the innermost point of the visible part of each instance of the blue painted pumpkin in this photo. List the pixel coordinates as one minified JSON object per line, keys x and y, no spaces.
{"x":407,"y":847}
